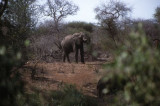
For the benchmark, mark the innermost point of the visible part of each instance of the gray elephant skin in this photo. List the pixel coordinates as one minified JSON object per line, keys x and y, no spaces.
{"x":74,"y":43}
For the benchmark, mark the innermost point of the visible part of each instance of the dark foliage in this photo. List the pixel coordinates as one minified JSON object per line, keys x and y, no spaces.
{"x":81,"y":25}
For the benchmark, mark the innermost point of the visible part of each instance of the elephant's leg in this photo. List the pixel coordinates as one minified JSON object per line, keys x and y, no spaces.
{"x":82,"y":54}
{"x":76,"y":55}
{"x":64,"y":57}
{"x":67,"y":55}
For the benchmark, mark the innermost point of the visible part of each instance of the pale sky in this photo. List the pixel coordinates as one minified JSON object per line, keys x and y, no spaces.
{"x":143,"y":9}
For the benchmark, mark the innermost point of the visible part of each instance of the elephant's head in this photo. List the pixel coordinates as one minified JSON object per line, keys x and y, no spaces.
{"x":81,"y":38}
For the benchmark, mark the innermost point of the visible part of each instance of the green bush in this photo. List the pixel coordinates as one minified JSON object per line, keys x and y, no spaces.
{"x":10,"y":82}
{"x":75,"y":27}
{"x":138,"y":65}
{"x":70,"y":96}
{"x":81,"y":25}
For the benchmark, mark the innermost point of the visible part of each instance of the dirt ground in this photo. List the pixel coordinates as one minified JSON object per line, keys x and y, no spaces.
{"x":50,"y":76}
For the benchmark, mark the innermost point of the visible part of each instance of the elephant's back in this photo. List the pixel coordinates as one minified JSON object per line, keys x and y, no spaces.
{"x":67,"y":43}
{"x":67,"y":40}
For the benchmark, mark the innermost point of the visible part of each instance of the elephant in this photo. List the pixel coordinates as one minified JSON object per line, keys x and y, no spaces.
{"x":74,"y":43}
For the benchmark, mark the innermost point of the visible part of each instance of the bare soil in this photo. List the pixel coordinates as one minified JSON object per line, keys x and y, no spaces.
{"x":50,"y":76}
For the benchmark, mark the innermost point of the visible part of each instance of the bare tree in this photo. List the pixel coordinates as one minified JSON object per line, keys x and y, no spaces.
{"x":109,"y":14}
{"x":59,"y":9}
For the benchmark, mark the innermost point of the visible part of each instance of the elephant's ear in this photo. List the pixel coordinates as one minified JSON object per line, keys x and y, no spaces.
{"x":83,"y":36}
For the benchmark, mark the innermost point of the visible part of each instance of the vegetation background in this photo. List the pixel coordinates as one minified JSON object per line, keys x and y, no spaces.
{"x":131,"y":76}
